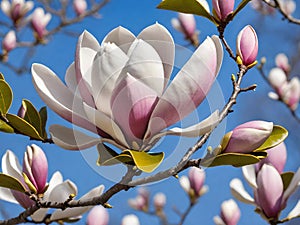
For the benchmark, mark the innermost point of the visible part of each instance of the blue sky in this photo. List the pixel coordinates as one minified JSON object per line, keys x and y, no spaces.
{"x":136,"y":15}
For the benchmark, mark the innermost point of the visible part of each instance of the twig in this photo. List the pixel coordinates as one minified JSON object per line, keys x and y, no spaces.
{"x":186,"y":213}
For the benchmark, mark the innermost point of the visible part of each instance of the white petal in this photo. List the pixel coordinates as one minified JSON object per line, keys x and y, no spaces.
{"x":218,"y":221}
{"x":89,"y":41}
{"x":121,"y":37}
{"x":55,"y":180}
{"x":62,"y":191}
{"x":239,"y":192}
{"x":176,"y":25}
{"x":162,"y":41}
{"x":6,"y":195}
{"x":6,"y":7}
{"x":277,"y":77}
{"x":105,"y":123}
{"x":295,"y":211}
{"x":250,"y":175}
{"x":70,"y":78}
{"x":295,"y":183}
{"x":71,"y":139}
{"x":185,"y":183}
{"x":107,"y":66}
{"x":58,"y":97}
{"x":78,"y":211}
{"x":146,"y":65}
{"x":273,"y":95}
{"x":11,"y":165}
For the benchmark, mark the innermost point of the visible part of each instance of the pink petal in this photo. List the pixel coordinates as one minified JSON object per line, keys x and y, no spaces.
{"x":98,"y":216}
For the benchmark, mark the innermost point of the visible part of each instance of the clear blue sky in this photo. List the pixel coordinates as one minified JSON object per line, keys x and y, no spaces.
{"x":136,"y":15}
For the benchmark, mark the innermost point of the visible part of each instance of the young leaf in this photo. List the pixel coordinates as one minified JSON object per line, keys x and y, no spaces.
{"x":1,"y":76}
{"x":10,"y":182}
{"x":5,"y":127}
{"x":278,"y":135}
{"x":6,"y":96}
{"x":240,"y":7}
{"x":147,"y":162}
{"x":32,"y":116}
{"x":233,"y":159}
{"x":186,"y":6}
{"x":44,"y":116}
{"x":23,"y":126}
{"x":286,"y":179}
{"x":105,"y":154}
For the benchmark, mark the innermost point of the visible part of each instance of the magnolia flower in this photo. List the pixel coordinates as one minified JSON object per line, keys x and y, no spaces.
{"x":79,"y":6}
{"x":276,"y":157}
{"x":247,"y":137}
{"x":119,"y":89}
{"x":130,"y":220}
{"x":138,"y":203}
{"x":230,"y":213}
{"x":98,"y":216}
{"x":262,"y":7}
{"x":287,"y":6}
{"x":282,"y":61}
{"x":270,"y":196}
{"x":39,"y":21}
{"x":223,"y":8}
{"x":247,"y":46}
{"x":159,"y":200}
{"x":193,"y":185}
{"x":17,"y":9}
{"x":35,"y":168}
{"x":186,"y":24}
{"x":9,"y":42}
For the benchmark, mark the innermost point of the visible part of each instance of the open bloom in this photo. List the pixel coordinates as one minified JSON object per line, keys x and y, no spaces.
{"x":9,"y":42}
{"x":17,"y":9}
{"x":193,"y":185}
{"x":230,"y":213}
{"x":223,"y":8}
{"x":247,"y":45}
{"x":39,"y":21}
{"x":247,"y":137}
{"x":34,"y":166}
{"x":98,"y":216}
{"x":270,"y":195}
{"x":119,"y":89}
{"x":186,"y":24}
{"x":79,"y":6}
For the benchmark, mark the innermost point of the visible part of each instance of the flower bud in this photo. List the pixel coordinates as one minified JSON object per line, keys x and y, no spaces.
{"x":277,"y":79}
{"x":98,"y":216}
{"x":247,"y":45}
{"x":269,"y":191}
{"x":159,"y":201}
{"x":247,"y":137}
{"x":291,"y":93}
{"x":138,"y":203}
{"x":287,"y":6}
{"x":79,"y":6}
{"x":223,"y":8}
{"x":230,"y":212}
{"x":282,"y":62}
{"x":39,"y":21}
{"x":197,"y":178}
{"x":276,"y":157}
{"x":35,"y":166}
{"x":9,"y":42}
{"x":130,"y":220}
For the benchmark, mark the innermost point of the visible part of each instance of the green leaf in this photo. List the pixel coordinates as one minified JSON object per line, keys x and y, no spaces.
{"x":4,"y":127}
{"x":12,"y":183}
{"x":286,"y":179}
{"x":32,"y":116}
{"x":240,"y":7}
{"x":233,"y":159}
{"x":44,"y":116}
{"x":1,"y":76}
{"x":145,"y":161}
{"x":6,"y":97}
{"x":278,"y":135}
{"x":186,"y":6}
{"x":23,"y":126}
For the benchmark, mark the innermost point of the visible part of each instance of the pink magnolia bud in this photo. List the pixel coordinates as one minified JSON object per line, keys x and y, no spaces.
{"x":35,"y":166}
{"x":39,"y":22}
{"x":197,"y":179}
{"x":159,"y":201}
{"x":138,"y":203}
{"x":291,"y":93}
{"x":98,"y":216}
{"x":269,"y":191}
{"x":79,"y":6}
{"x":278,"y":80}
{"x":247,"y":137}
{"x":9,"y":41}
{"x":276,"y":157}
{"x":21,"y":111}
{"x":230,"y":212}
{"x":223,"y":8}
{"x":282,"y":62}
{"x":130,"y":220}
{"x":247,"y":45}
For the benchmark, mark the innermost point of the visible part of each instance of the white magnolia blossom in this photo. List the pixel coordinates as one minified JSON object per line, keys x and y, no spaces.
{"x":58,"y":191}
{"x":230,"y":213}
{"x":16,"y":9}
{"x":119,"y":89}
